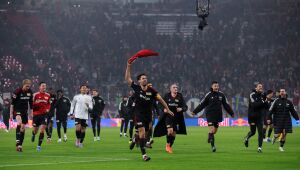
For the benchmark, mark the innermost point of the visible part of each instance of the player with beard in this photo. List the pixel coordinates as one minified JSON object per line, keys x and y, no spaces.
{"x":213,"y":102}
{"x":256,"y":110}
{"x":282,"y":109}
{"x":144,"y":97}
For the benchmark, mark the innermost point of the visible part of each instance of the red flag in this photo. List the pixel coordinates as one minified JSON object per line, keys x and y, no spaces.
{"x":141,"y":54}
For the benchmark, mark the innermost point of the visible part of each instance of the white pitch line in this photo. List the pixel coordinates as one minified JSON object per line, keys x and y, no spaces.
{"x":65,"y":162}
{"x":52,"y":156}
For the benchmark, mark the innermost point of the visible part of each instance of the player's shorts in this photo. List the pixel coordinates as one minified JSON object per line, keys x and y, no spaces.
{"x":81,"y":122}
{"x":39,"y":120}
{"x":142,"y":121}
{"x":24,"y":116}
{"x":256,"y":119}
{"x":266,"y":121}
{"x":214,"y":124}
{"x":171,"y":123}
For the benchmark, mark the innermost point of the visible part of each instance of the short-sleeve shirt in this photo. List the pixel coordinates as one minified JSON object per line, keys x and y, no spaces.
{"x":143,"y":99}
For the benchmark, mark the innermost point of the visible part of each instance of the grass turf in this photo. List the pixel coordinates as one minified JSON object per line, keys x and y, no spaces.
{"x":112,"y":152}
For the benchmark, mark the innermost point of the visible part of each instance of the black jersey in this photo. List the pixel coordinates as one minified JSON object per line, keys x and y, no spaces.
{"x":213,"y":102}
{"x":98,"y":105}
{"x":62,"y":106}
{"x":21,"y":100}
{"x":143,"y":99}
{"x":175,"y":102}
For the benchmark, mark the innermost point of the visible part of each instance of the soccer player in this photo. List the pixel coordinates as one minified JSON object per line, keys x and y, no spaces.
{"x":130,"y":107}
{"x":50,"y":116}
{"x":98,"y":107}
{"x":124,"y":116}
{"x":269,"y":97}
{"x":169,"y":125}
{"x":41,"y":108}
{"x":257,"y":106}
{"x":282,"y":109}
{"x":62,"y":106}
{"x":213,"y":102}
{"x":144,"y":97}
{"x":21,"y":99}
{"x":81,"y":105}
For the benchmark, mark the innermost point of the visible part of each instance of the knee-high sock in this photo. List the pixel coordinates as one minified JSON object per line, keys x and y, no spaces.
{"x":142,"y":146}
{"x":22,"y":134}
{"x":18,"y":135}
{"x":260,"y":134}
{"x":41,"y":138}
{"x":126,"y":126}
{"x":64,"y":124}
{"x":93,"y":121}
{"x":122,"y":125}
{"x":131,"y":126}
{"x":252,"y":132}
{"x":211,"y":139}
{"x":149,"y":134}
{"x":169,"y":138}
{"x":82,"y":137}
{"x":270,"y":132}
{"x":264,"y":132}
{"x":172,"y":140}
{"x":58,"y":129}
{"x":98,"y":126}
{"x":78,"y":134}
{"x":282,"y":142}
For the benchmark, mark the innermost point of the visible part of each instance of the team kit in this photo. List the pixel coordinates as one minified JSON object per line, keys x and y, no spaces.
{"x":266,"y":113}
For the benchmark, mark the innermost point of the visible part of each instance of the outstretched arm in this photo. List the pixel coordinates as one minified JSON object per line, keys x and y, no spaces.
{"x":161,"y":100}
{"x":128,"y":74}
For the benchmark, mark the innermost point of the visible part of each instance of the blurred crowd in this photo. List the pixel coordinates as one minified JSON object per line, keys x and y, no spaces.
{"x":67,"y":45}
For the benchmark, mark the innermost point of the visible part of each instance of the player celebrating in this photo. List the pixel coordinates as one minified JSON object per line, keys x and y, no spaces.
{"x":170,"y":125}
{"x":257,"y":105}
{"x":98,"y":107}
{"x":41,"y":107}
{"x":144,"y":97}
{"x":281,"y":109}
{"x":21,"y":99}
{"x":62,"y":106}
{"x":212,"y":102}
{"x":80,"y":107}
{"x":269,"y":97}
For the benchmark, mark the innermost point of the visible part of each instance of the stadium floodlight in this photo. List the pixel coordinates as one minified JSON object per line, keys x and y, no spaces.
{"x":202,"y":10}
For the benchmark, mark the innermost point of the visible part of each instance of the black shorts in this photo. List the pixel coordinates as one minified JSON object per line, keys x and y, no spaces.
{"x":256,"y":119}
{"x":24,"y":116}
{"x":81,"y":122}
{"x":171,"y":123}
{"x":142,"y":121}
{"x":214,"y":124}
{"x":39,"y":120}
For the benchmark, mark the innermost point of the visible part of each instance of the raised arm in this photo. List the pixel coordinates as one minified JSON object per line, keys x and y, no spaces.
{"x":128,"y":74}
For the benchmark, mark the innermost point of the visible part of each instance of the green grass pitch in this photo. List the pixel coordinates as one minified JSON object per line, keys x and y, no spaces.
{"x":112,"y":152}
